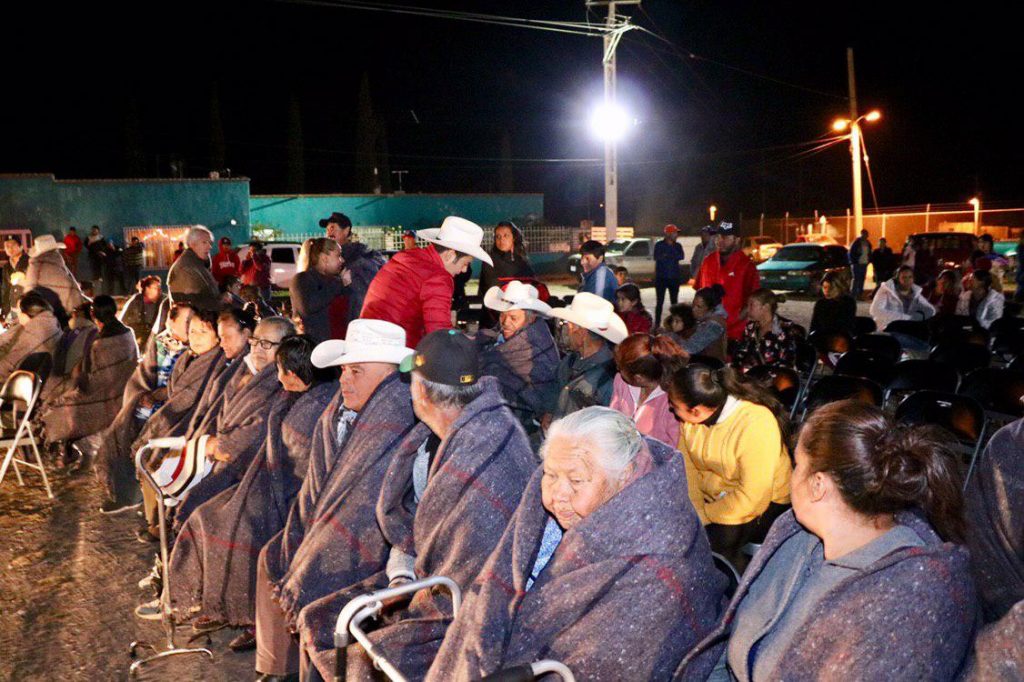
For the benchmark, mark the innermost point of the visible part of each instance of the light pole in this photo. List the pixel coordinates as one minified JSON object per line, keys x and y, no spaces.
{"x":712,"y":210}
{"x":976,"y":203}
{"x":840,"y":125}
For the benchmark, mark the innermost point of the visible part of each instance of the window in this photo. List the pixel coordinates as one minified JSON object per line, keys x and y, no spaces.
{"x":639,"y":250}
{"x":799,"y":253}
{"x":283,"y":254}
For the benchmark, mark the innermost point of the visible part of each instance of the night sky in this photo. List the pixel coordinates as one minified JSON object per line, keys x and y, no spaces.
{"x":272,"y":90}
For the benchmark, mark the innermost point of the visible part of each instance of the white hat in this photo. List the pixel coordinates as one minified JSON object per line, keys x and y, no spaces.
{"x":365,"y":341}
{"x":595,"y":314}
{"x":458,"y":234}
{"x":44,"y":243}
{"x":516,"y":296}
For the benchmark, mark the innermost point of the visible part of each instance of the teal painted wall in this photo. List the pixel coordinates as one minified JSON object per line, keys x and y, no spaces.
{"x":43,"y":204}
{"x":299,"y":215}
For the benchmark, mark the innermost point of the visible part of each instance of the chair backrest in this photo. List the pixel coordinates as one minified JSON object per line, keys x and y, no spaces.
{"x":862,"y":363}
{"x":830,"y":342}
{"x":784,"y":382}
{"x":829,"y":389}
{"x":40,"y":364}
{"x":961,"y":415}
{"x":1007,"y":337}
{"x":21,"y":386}
{"x":863,"y":325}
{"x":806,"y":356}
{"x":966,"y":357}
{"x":997,"y":390}
{"x":880,"y":343}
{"x":1017,"y":364}
{"x":924,"y":375}
{"x":707,"y":361}
{"x":915,"y":328}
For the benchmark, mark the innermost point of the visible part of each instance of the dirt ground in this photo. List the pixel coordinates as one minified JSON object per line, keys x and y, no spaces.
{"x":68,"y":585}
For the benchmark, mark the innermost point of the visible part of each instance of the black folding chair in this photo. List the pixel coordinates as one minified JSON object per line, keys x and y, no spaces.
{"x":1006,"y":338}
{"x":965,"y":357}
{"x":921,"y":375}
{"x":1017,"y":364}
{"x":807,"y":364}
{"x":836,"y":387}
{"x":881,"y":343}
{"x":914,"y":328}
{"x":1000,"y":392}
{"x":784,"y":382}
{"x":833,"y":343}
{"x":863,"y":325}
{"x":862,"y":363}
{"x":960,"y":415}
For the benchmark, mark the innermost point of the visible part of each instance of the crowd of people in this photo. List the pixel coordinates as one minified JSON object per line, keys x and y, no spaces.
{"x":607,"y":488}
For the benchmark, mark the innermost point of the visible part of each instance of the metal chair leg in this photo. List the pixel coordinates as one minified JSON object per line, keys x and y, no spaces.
{"x":39,"y":461}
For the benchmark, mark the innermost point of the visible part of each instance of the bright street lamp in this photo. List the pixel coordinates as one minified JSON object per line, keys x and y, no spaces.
{"x":712,"y":210}
{"x":610,"y":122}
{"x":840,"y":125}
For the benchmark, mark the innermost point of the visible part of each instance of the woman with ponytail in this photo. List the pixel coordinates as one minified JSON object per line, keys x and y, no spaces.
{"x":733,"y":437}
{"x":866,"y":578}
{"x":636,"y":390}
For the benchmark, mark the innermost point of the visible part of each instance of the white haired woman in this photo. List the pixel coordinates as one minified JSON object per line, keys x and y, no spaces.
{"x":604,"y":565}
{"x":190,"y":278}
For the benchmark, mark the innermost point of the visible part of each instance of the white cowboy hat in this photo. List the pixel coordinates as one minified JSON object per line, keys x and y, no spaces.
{"x":595,"y":314}
{"x":458,"y":234}
{"x":365,"y":341}
{"x":516,"y":296}
{"x":44,"y":243}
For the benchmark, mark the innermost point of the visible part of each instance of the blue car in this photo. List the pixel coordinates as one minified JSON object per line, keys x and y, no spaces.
{"x":800,"y":267}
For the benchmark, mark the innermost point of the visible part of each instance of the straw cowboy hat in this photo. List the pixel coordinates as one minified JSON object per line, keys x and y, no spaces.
{"x":516,"y":296}
{"x":366,"y":341}
{"x":460,"y":235}
{"x":594,"y":314}
{"x":44,"y":243}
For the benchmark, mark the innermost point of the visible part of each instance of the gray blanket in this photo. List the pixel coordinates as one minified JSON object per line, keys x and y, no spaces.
{"x":474,"y":485}
{"x":999,"y":650}
{"x":48,"y":270}
{"x":628,"y":592}
{"x":214,"y":559}
{"x":526,"y":366}
{"x":40,"y":335}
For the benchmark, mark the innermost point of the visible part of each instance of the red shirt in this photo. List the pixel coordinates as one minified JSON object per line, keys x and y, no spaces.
{"x":226,"y":264}
{"x":739,"y":277}
{"x":72,"y":244}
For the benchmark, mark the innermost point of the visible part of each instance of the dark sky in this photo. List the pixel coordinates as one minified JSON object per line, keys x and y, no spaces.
{"x":130,"y":90}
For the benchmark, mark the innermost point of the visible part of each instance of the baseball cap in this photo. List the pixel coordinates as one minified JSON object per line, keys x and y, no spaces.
{"x":445,"y":356}
{"x":727,"y":228}
{"x":340,"y":219}
{"x":670,"y":229}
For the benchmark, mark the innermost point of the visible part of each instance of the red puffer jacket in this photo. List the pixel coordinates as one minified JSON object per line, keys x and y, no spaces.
{"x":739,"y":277}
{"x":414,"y":291}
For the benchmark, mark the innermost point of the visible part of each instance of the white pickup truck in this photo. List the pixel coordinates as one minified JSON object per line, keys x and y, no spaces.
{"x":637,"y":256}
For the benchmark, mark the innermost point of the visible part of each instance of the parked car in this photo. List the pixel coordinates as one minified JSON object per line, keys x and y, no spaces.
{"x":637,"y":256}
{"x":951,"y":248}
{"x":760,"y":249}
{"x":800,"y":267}
{"x":816,"y":238}
{"x":283,"y":259}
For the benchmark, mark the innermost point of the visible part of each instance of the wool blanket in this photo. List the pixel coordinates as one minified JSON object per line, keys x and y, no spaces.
{"x":474,"y":485}
{"x":995,"y":518}
{"x":628,"y":592}
{"x":999,"y":650}
{"x":213,"y":564}
{"x":331,"y":538}
{"x":241,"y":429}
{"x":922,"y":598}
{"x":40,"y":335}
{"x":526,"y":366}
{"x":93,"y":401}
{"x":49,"y":271}
{"x":204,"y":417}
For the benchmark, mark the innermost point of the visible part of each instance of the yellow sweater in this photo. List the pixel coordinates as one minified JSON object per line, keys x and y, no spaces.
{"x":736,"y":467}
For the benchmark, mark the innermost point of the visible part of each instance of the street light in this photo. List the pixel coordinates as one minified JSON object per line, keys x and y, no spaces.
{"x":610,"y":122}
{"x":712,"y":210}
{"x":840,"y":125}
{"x":976,"y":203}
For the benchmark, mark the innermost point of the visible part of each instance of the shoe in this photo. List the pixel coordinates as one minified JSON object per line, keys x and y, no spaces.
{"x":151,"y":610}
{"x":244,"y":642}
{"x":112,"y":507}
{"x":147,"y":535}
{"x":204,"y":624}
{"x":264,"y":677}
{"x":154,"y":579}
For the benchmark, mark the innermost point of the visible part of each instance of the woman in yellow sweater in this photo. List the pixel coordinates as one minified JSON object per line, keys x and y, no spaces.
{"x":733,"y":438}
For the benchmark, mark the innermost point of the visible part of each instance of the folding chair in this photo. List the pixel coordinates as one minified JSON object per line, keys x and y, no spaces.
{"x":830,"y":344}
{"x":862,"y":363}
{"x":533,"y":671}
{"x":863,"y":325}
{"x":166,"y":617}
{"x":807,"y":365}
{"x":921,"y":375}
{"x":841,"y":387}
{"x":881,"y":344}
{"x":1006,"y":338}
{"x":21,"y":387}
{"x":960,"y":415}
{"x":1000,"y":393}
{"x":914,"y":328}
{"x":965,"y":357}
{"x":784,"y":382}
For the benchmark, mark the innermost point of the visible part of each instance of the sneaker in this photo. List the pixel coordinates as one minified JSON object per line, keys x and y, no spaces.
{"x":151,"y":610}
{"x":112,"y":507}
{"x":153,"y":580}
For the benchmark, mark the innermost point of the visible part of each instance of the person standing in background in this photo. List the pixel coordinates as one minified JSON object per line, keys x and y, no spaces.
{"x":698,"y":251}
{"x":509,"y":256}
{"x":13,"y":274}
{"x":668,"y":254}
{"x":133,"y":256}
{"x":884,"y":261}
{"x":96,"y":246}
{"x":256,"y":269}
{"x":318,"y":293}
{"x":72,"y":248}
{"x":734,"y":270}
{"x":598,"y":278}
{"x":225,"y":263}
{"x":860,"y":256}
{"x":361,"y":262}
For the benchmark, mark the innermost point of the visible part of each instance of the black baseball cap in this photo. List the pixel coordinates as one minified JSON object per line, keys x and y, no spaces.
{"x":340,"y":219}
{"x":446,"y":356}
{"x":728,"y":228}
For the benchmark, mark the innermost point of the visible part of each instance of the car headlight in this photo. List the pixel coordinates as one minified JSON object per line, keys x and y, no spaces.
{"x":796,"y":273}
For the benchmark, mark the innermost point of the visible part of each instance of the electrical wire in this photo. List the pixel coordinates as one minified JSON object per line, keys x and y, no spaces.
{"x":867,"y":166}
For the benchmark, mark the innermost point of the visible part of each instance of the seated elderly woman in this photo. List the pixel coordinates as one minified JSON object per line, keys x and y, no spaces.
{"x":866,"y":578}
{"x":604,"y":565}
{"x":37,"y":331}
{"x":642,"y":360}
{"x":520,"y":353}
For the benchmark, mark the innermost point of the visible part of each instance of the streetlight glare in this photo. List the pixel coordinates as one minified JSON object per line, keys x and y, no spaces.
{"x":840,"y":125}
{"x":610,"y":122}
{"x":873,"y":115}
{"x":974,"y":202}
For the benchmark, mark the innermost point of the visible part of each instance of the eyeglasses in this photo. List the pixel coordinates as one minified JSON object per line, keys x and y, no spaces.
{"x":263,"y":343}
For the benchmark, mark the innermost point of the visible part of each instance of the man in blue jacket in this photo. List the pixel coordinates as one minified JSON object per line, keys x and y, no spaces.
{"x":598,"y":278}
{"x":668,"y":253}
{"x":860,"y":256}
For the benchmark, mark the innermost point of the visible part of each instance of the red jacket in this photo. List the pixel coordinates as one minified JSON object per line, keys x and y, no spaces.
{"x":226,"y":263}
{"x":739,"y":277}
{"x":414,"y":291}
{"x":72,"y":244}
{"x":256,"y":270}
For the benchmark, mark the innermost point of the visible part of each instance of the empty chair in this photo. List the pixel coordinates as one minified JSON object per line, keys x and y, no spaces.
{"x":21,"y":387}
{"x":999,"y":391}
{"x":863,"y":325}
{"x":961,"y":415}
{"x":840,"y":387}
{"x":922,"y":375}
{"x":965,"y":357}
{"x":1006,"y":337}
{"x":914,"y":328}
{"x":882,"y":344}
{"x":862,"y":363}
{"x":784,"y":382}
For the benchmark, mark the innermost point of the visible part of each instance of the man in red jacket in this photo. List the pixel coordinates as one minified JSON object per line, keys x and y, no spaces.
{"x":734,"y":270}
{"x":226,"y":263}
{"x":414,"y":289}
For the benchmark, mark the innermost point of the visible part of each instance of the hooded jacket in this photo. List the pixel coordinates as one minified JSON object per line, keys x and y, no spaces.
{"x":887,"y":305}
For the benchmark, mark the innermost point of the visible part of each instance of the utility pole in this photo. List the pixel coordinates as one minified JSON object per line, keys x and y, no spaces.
{"x":858,"y":199}
{"x":401,"y":174}
{"x":613,"y":33}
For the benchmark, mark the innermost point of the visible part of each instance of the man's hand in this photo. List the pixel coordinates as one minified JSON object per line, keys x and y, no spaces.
{"x":346,"y":277}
